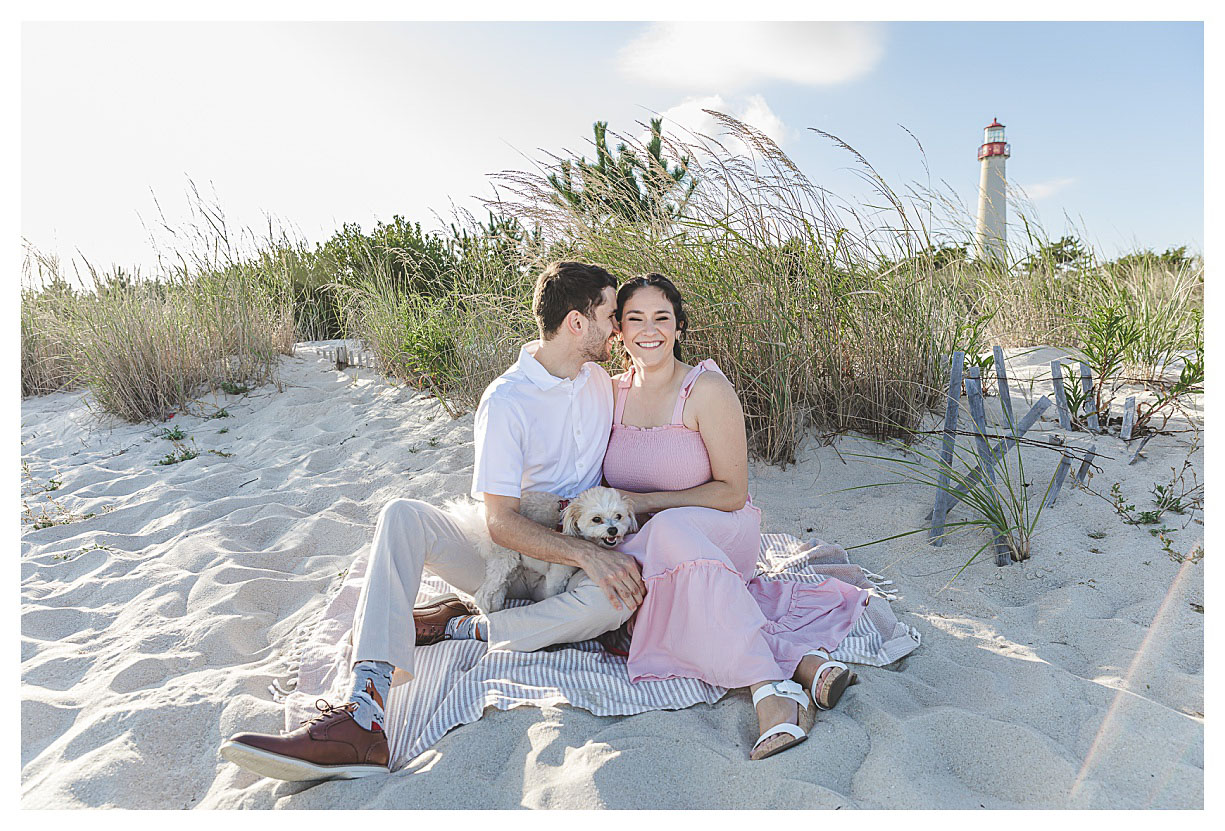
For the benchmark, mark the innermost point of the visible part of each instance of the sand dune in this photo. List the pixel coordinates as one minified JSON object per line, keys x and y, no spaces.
{"x":152,"y":630}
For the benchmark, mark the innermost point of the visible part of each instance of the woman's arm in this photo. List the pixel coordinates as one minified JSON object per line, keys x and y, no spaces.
{"x":720,"y":420}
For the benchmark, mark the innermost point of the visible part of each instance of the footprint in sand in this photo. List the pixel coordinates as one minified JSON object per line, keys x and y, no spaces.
{"x":58,"y":624}
{"x":145,"y":673}
{"x":57,"y":673}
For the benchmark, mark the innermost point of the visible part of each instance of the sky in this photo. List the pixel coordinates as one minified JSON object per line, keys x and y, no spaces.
{"x":317,"y":124}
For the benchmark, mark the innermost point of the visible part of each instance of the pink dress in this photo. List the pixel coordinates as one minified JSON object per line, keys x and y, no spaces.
{"x":704,"y":615}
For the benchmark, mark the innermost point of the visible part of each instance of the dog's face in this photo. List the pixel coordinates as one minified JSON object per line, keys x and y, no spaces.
{"x":601,"y":515}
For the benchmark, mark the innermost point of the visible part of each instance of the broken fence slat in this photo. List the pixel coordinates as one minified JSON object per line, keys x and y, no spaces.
{"x":1061,"y":473}
{"x":1027,"y":421}
{"x":1086,"y":385}
{"x":1129,"y":418}
{"x":1061,"y":397}
{"x":1143,"y":442}
{"x":974,"y":396}
{"x":943,"y":498}
{"x":1001,"y":378}
{"x":1083,"y":472}
{"x":1003,"y":554}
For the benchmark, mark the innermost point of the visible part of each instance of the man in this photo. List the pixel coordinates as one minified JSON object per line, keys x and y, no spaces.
{"x":543,"y":425}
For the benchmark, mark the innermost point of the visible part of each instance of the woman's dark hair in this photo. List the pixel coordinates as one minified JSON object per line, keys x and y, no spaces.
{"x":670,"y":291}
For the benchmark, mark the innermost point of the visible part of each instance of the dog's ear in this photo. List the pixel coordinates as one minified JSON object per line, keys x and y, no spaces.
{"x":570,"y":519}
{"x":633,"y":518}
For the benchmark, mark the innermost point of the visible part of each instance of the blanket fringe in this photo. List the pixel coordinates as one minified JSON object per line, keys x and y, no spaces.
{"x":879,"y":582}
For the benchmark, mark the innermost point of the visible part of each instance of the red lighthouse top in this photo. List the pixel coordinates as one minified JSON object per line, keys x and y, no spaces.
{"x":994,"y":144}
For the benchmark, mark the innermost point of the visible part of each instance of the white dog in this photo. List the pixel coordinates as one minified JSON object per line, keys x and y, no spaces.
{"x":601,"y":515}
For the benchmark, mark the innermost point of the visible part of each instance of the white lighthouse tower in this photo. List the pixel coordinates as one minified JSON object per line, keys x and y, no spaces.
{"x":990,"y":234}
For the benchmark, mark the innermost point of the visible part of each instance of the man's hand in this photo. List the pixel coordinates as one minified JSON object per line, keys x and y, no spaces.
{"x":616,"y":573}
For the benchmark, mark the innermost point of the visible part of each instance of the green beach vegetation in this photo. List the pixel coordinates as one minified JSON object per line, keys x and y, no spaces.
{"x":827,"y":316}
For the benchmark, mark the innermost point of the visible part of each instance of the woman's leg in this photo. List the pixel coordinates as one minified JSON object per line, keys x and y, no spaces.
{"x":828,"y":687}
{"x":698,"y":619}
{"x":773,"y":710}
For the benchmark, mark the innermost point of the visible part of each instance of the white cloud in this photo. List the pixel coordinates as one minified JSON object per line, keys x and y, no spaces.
{"x":731,"y":56}
{"x":1043,"y":190}
{"x":687,"y":120}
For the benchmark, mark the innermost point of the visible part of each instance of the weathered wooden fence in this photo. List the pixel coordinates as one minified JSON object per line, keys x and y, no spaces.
{"x":343,"y":357}
{"x":988,"y":457}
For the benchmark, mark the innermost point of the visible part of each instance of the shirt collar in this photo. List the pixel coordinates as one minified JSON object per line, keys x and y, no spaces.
{"x":540,"y":376}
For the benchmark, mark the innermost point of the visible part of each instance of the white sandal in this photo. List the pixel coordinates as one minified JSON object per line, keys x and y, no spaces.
{"x":840,"y":682}
{"x":783,"y":689}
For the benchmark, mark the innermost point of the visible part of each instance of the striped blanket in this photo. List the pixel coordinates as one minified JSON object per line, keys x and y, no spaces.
{"x":456,"y":680}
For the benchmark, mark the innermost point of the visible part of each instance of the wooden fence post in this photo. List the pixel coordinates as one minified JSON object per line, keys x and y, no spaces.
{"x":1001,"y":377}
{"x":1061,"y":397}
{"x":1082,"y":474}
{"x":1028,"y":420}
{"x":1129,"y":418}
{"x":943,"y":499}
{"x":1086,"y":385}
{"x":974,"y":397}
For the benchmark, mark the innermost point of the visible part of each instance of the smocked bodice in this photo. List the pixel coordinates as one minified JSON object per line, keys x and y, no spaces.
{"x":670,"y":457}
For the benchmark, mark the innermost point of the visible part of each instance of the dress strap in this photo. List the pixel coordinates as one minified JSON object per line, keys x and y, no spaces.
{"x":623,"y":388}
{"x":687,"y":387}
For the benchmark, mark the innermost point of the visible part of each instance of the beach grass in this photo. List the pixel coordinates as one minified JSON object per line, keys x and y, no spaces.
{"x":827,"y":316}
{"x":145,"y":349}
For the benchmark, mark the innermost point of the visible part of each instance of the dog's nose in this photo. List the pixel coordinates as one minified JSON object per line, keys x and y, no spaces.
{"x":613,"y":531}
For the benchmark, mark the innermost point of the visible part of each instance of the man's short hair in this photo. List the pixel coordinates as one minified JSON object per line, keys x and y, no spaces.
{"x":568,"y":286}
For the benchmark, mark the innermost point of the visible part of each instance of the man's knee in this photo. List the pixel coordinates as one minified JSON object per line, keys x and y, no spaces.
{"x":599,"y":614}
{"x":403,"y":512}
{"x":402,"y":531}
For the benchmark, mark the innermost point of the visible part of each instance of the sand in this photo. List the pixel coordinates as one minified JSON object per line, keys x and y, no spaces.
{"x":152,"y":630}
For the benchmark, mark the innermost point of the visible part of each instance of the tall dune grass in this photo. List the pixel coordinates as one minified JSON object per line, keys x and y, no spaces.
{"x":147,"y":348}
{"x":452,"y":343}
{"x":826,"y":315}
{"x":817,"y":322}
{"x":48,"y":356}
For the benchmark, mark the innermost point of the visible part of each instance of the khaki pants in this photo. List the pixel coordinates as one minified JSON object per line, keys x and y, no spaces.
{"x":412,"y":536}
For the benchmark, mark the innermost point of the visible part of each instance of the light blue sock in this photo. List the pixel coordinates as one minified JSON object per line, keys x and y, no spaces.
{"x":468,"y":627}
{"x":370,"y":679}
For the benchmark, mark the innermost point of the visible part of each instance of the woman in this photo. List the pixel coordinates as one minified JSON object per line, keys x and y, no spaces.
{"x":678,"y":450}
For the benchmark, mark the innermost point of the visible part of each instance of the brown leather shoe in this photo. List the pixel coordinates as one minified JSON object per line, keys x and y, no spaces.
{"x":330,"y":746}
{"x":431,"y":619}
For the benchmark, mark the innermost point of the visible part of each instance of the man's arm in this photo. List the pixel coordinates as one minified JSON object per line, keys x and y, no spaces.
{"x":616,"y":573}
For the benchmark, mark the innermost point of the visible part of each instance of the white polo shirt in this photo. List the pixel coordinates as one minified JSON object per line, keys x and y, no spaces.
{"x":537,"y":432}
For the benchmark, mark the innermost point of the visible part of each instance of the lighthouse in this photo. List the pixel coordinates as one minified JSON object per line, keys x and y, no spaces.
{"x":991,"y":234}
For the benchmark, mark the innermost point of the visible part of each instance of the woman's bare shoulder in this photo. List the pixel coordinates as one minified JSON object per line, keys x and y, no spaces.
{"x":713,"y":389}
